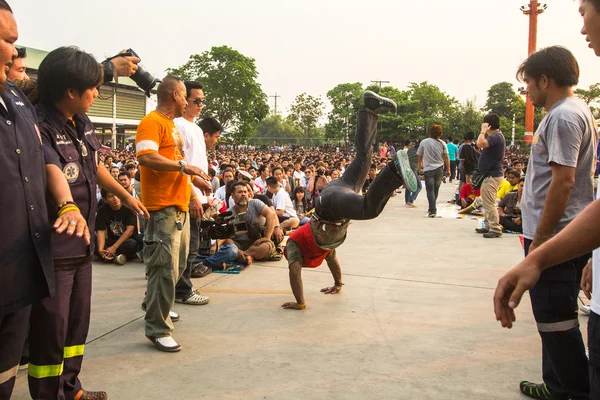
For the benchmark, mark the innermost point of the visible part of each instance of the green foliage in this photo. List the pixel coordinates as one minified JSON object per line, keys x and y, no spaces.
{"x":501,"y":97}
{"x":275,"y":130}
{"x":346,"y":99}
{"x":305,"y":113}
{"x":233,"y":94}
{"x":591,"y":97}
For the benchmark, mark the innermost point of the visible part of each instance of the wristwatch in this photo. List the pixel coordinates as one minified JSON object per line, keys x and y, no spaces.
{"x":183,"y":165}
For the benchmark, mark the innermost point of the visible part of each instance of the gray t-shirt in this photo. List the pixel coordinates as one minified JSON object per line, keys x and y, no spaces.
{"x":433,"y":151}
{"x":566,"y":136}
{"x":254,"y":219}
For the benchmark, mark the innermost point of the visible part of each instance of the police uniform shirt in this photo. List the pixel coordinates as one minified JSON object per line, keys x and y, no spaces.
{"x":71,"y":145}
{"x":26,"y":269}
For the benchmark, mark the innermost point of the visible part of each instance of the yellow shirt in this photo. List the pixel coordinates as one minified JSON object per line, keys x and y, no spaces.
{"x":157,"y":134}
{"x":505,"y":188}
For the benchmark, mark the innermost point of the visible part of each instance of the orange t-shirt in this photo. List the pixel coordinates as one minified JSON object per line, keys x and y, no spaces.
{"x":157,"y":134}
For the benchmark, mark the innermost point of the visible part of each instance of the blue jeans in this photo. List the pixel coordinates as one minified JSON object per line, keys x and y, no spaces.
{"x":433,"y":180}
{"x":226,"y":253}
{"x":411,"y":197}
{"x":304,"y":221}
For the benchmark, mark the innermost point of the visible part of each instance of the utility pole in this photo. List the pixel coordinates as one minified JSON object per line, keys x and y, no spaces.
{"x":276,"y":96}
{"x":532,"y":10}
{"x":380,"y":83}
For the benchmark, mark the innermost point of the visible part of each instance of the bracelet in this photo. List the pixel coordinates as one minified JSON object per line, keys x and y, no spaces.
{"x":64,"y":203}
{"x":302,"y":306}
{"x":65,"y":210}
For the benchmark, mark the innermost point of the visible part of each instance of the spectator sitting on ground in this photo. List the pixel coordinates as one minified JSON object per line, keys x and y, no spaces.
{"x":283,"y":205}
{"x":370,"y":178}
{"x":468,"y":195}
{"x":301,"y":204}
{"x":115,"y":229}
{"x":114,"y":171}
{"x":214,"y":183}
{"x":509,"y":209}
{"x":510,"y":184}
{"x":220,"y":194}
{"x":126,"y":183}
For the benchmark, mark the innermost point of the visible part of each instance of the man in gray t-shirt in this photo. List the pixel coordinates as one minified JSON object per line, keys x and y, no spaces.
{"x":566,"y":137}
{"x":433,"y":155}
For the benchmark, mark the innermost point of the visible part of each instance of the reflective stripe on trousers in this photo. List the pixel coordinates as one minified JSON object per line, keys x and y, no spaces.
{"x":47,"y":371}
{"x":8,"y":374}
{"x":558,"y":326}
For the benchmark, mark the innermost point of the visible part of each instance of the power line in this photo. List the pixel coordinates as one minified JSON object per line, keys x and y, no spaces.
{"x":379,"y":83}
{"x":276,"y":96}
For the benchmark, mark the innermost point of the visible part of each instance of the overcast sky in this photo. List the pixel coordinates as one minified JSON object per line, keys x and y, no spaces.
{"x":463,"y":46}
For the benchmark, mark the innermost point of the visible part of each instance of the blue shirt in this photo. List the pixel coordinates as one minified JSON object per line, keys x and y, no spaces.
{"x":452,"y":151}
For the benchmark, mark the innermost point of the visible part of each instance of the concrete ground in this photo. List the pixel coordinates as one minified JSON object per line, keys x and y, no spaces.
{"x":414,"y":321}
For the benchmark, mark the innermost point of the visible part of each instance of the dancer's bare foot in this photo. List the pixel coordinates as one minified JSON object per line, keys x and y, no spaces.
{"x":331,"y":290}
{"x":292,"y":305}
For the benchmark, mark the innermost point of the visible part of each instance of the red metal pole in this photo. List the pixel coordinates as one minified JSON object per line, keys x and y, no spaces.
{"x":529,"y":109}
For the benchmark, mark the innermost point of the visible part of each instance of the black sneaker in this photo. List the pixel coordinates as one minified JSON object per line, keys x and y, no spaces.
{"x":537,"y":391}
{"x":481,"y":230}
{"x":492,"y":235}
{"x":379,"y":104}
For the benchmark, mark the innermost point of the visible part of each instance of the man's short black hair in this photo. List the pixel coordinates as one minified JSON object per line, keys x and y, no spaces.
{"x":514,"y":173}
{"x":407,"y":142}
{"x":21,"y":52}
{"x":275,"y":168}
{"x":555,"y":62}
{"x":191,"y":85}
{"x":104,"y":193}
{"x":4,"y":6}
{"x":67,"y":68}
{"x":210,"y":126}
{"x":123,"y":173}
{"x":470,"y":135}
{"x":129,"y":166}
{"x":272,"y":182}
{"x":212,"y":172}
{"x":235,"y":184}
{"x":493,"y":120}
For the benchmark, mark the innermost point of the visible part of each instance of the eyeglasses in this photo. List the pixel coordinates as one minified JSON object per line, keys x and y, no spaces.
{"x":198,"y":101}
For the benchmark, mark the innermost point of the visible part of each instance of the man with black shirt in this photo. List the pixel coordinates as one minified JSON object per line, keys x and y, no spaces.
{"x":115,"y":228}
{"x":468,"y":157}
{"x":491,"y":141}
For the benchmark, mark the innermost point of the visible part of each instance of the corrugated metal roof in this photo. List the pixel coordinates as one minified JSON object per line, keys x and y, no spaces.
{"x":35,"y":57}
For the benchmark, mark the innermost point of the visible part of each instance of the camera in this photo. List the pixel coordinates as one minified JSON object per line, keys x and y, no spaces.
{"x":142,"y":78}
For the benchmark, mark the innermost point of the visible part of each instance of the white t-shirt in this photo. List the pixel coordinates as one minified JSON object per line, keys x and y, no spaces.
{"x":262,"y":185}
{"x":194,"y":148}
{"x":220,"y":193}
{"x":282,"y":201}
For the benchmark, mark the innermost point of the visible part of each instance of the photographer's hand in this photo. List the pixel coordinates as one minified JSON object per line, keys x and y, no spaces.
{"x":125,"y":65}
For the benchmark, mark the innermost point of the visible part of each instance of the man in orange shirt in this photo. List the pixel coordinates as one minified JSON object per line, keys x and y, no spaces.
{"x":166,"y":184}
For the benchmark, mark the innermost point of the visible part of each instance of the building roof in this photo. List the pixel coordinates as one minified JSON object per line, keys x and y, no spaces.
{"x":35,"y":57}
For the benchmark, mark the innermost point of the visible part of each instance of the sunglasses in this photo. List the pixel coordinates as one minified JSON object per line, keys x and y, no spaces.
{"x":198,"y":101}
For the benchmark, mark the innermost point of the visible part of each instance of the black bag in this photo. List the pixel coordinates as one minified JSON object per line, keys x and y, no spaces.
{"x":477,"y":179}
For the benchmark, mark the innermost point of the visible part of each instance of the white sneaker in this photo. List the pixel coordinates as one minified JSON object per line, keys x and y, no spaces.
{"x":174,"y":316}
{"x":585,"y":309}
{"x":194,"y":299}
{"x":166,"y":343}
{"x":121,"y":259}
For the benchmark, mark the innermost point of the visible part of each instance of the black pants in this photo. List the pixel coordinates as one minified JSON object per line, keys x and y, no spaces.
{"x":554,"y":301}
{"x":129,"y":247}
{"x":13,"y":330}
{"x":341,"y":198}
{"x":184,"y":287}
{"x":594,"y":348}
{"x":59,"y":328}
{"x":452,"y":170}
{"x":509,"y":224}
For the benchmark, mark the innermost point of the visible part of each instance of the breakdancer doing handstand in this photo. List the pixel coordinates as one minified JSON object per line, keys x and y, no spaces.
{"x":341,"y":202}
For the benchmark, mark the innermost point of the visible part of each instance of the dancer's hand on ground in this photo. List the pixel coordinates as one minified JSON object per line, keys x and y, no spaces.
{"x":511,"y":288}
{"x":292,"y":305}
{"x":586,"y":280}
{"x":332,"y":290}
{"x":105,"y":255}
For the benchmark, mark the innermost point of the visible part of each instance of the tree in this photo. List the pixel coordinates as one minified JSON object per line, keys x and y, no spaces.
{"x":346,"y":99}
{"x":591,"y":95}
{"x":305,"y":113}
{"x":233,"y":94}
{"x":500,"y":99}
{"x":275,"y":130}
{"x":432,"y":105}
